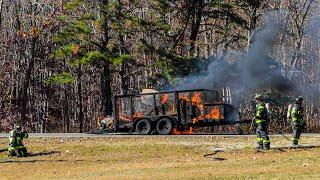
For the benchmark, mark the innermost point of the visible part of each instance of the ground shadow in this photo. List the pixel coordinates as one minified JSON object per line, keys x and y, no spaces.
{"x":100,"y":131}
{"x":3,"y":150}
{"x":288,"y":148}
{"x":18,"y":161}
{"x":31,"y":154}
{"x":36,"y":160}
{"x":211,"y":156}
{"x":300,"y":147}
{"x":22,"y":160}
{"x":44,"y":153}
{"x":218,"y":159}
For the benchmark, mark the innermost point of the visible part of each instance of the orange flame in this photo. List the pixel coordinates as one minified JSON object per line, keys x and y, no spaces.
{"x":215,"y":114}
{"x":196,"y":98}
{"x":164,"y":98}
{"x":172,"y":109}
{"x":124,"y":117}
{"x":137,"y":114}
{"x":176,"y":131}
{"x":127,"y":118}
{"x":184,"y":97}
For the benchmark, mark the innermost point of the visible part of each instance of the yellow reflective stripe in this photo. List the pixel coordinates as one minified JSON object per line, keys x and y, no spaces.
{"x":266,"y":141}
{"x":11,"y":148}
{"x":294,"y":139}
{"x":259,"y":121}
{"x":19,"y":139}
{"x":11,"y":134}
{"x":15,"y":147}
{"x":259,"y":139}
{"x":260,"y":108}
{"x":296,"y":120}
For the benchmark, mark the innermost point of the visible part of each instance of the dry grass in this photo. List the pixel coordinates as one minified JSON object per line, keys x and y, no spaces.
{"x":172,"y":157}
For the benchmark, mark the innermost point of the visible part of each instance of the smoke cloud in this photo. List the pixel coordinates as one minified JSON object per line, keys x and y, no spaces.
{"x":250,"y":71}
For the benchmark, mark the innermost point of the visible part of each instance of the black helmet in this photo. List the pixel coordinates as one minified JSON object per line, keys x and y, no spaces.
{"x":299,"y":99}
{"x":18,"y":127}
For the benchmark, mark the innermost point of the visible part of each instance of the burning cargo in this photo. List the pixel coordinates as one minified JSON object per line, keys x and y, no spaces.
{"x":173,"y":112}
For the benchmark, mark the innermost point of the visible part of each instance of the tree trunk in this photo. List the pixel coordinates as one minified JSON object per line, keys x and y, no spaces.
{"x":196,"y":9}
{"x":106,"y":74}
{"x":66,"y":120}
{"x":80,"y":99}
{"x":1,"y":5}
{"x":26,"y":83}
{"x":106,"y":90}
{"x":253,"y":20}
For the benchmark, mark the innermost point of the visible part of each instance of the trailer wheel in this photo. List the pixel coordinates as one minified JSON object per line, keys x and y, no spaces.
{"x":143,"y":127}
{"x":164,"y":126}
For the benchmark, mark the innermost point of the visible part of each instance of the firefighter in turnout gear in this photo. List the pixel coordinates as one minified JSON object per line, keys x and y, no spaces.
{"x":297,"y":122}
{"x":262,"y":120}
{"x":16,"y":147}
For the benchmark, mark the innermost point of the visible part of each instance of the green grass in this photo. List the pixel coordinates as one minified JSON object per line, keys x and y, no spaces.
{"x":172,"y":157}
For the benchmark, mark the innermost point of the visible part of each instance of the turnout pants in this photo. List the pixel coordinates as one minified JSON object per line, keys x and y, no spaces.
{"x":262,"y":135}
{"x":297,"y":129}
{"x":20,"y":151}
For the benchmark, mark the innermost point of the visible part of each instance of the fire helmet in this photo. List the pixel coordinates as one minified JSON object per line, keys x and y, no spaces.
{"x":258,"y":97}
{"x":299,"y":99}
{"x":17,"y":127}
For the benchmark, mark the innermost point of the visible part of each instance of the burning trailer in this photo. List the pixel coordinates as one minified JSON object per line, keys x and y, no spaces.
{"x":172,"y":112}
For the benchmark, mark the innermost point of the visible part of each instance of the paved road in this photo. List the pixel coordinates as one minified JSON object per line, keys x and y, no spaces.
{"x":114,"y":135}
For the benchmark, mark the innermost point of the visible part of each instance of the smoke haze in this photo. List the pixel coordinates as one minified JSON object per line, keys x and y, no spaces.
{"x":247,"y":71}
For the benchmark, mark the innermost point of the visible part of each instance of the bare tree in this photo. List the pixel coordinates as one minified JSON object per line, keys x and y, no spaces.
{"x":1,"y":4}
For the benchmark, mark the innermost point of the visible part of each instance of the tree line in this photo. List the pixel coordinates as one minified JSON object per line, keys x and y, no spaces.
{"x":61,"y":62}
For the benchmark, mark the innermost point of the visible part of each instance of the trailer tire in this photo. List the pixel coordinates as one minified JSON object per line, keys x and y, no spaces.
{"x":164,"y":126}
{"x":143,"y":127}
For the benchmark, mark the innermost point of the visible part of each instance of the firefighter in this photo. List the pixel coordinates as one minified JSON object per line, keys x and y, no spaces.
{"x":297,"y":122}
{"x":16,"y":147}
{"x":262,"y":120}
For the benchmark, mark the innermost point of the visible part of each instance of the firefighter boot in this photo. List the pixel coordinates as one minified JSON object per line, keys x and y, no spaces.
{"x":260,"y":144}
{"x":266,"y":144}
{"x":295,"y":142}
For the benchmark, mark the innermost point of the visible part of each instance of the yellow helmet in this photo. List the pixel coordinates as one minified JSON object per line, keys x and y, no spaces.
{"x":258,"y":97}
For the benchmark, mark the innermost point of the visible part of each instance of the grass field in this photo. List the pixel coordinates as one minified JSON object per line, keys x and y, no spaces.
{"x":172,"y":157}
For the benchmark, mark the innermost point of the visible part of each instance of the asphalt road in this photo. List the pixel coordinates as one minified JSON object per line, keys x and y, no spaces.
{"x":115,"y":135}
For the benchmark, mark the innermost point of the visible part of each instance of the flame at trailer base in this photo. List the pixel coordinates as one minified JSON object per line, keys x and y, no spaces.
{"x":176,"y":131}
